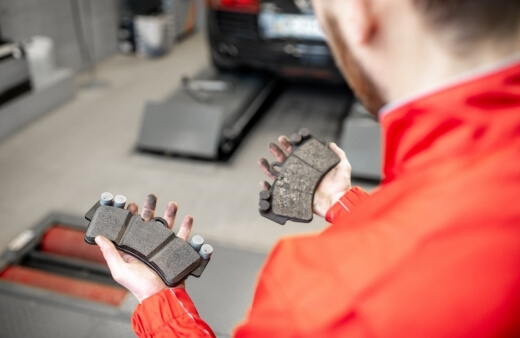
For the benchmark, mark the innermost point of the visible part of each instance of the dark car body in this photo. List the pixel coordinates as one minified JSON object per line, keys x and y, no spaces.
{"x":281,"y":36}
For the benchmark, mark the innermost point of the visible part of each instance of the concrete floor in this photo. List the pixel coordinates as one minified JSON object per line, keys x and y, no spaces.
{"x":64,"y":160}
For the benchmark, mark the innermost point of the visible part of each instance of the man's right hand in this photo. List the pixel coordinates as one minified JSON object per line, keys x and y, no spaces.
{"x":333,"y":185}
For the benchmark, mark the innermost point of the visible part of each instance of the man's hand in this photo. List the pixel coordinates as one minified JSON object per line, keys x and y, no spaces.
{"x":333,"y":185}
{"x":127,"y":270}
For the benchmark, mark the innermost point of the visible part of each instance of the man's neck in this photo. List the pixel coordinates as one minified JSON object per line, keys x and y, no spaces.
{"x":453,"y":81}
{"x":439,"y":66}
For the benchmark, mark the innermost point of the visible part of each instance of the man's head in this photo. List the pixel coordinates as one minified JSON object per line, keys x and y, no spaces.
{"x":466,"y":22}
{"x":387,"y":49}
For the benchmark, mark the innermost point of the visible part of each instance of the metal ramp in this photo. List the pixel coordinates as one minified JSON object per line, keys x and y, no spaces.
{"x":207,"y":116}
{"x":53,"y":284}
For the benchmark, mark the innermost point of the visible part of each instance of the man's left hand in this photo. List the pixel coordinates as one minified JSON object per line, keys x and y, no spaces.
{"x":130,"y":272}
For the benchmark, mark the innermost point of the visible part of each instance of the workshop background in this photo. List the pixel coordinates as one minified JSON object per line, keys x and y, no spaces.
{"x":176,"y":97}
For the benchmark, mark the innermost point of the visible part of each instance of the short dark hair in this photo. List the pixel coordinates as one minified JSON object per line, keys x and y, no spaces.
{"x":471,"y":20}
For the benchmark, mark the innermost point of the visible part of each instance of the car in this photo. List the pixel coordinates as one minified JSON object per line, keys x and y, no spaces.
{"x":281,"y":36}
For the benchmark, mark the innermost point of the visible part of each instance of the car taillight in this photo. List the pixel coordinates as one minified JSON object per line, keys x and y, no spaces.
{"x":247,"y":6}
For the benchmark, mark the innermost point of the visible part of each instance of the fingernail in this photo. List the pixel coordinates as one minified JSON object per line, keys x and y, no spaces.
{"x":151,"y":201}
{"x":132,"y":207}
{"x":189,"y":220}
{"x":171,"y":211}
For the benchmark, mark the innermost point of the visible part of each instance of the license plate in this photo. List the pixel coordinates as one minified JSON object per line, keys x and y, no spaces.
{"x":280,"y":26}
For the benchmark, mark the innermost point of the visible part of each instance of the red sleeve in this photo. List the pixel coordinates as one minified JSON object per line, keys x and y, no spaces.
{"x":346,"y":204}
{"x":169,"y":313}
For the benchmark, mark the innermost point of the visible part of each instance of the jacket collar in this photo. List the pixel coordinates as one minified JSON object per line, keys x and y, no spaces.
{"x":475,"y":112}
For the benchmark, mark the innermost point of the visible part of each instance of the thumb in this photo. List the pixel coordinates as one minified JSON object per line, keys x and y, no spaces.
{"x":110,"y":253}
{"x":337,"y":150}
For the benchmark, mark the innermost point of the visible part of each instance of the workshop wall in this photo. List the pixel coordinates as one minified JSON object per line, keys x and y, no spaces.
{"x":21,"y":19}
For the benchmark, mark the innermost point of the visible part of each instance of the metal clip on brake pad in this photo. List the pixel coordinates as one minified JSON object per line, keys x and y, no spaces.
{"x":291,"y":195}
{"x":151,"y":242}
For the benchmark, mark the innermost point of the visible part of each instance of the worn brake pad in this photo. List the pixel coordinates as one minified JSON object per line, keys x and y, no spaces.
{"x":151,"y":242}
{"x":291,"y":195}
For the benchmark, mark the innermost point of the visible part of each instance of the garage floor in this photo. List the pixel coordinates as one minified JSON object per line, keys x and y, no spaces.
{"x":64,"y":160}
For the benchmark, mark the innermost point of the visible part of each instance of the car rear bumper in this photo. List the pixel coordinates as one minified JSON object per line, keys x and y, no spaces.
{"x":236,"y":43}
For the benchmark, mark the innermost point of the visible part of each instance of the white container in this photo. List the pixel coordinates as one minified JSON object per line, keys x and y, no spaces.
{"x":150,"y":35}
{"x":41,"y":60}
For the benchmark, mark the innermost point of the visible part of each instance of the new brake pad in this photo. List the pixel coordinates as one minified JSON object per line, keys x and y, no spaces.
{"x":151,"y":242}
{"x":291,"y":195}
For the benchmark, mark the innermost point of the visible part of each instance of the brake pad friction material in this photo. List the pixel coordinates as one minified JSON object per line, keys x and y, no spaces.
{"x":291,"y":195}
{"x":151,"y":242}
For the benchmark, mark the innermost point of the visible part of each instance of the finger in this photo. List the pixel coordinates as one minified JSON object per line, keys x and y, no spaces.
{"x":343,"y":157}
{"x":285,"y":143}
{"x":185,"y":229}
{"x":264,"y":165}
{"x":127,"y":258}
{"x":133,"y":208}
{"x":149,"y":207}
{"x":170,"y":213}
{"x":278,"y":153}
{"x":337,"y":150}
{"x":265,"y":185}
{"x":113,"y":258}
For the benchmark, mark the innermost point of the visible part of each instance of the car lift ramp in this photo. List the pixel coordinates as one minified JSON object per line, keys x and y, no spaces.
{"x":207,"y":116}
{"x":53,"y":284}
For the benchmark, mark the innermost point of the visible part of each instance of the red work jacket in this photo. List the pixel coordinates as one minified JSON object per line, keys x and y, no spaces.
{"x":434,"y":252}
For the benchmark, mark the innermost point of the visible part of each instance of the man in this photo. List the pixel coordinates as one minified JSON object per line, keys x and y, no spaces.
{"x":435,"y":251}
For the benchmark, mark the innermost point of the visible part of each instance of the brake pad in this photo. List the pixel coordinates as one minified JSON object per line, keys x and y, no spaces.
{"x":291,"y":195}
{"x":172,"y":258}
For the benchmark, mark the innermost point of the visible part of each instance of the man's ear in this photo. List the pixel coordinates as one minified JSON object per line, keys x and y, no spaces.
{"x":361,"y":17}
